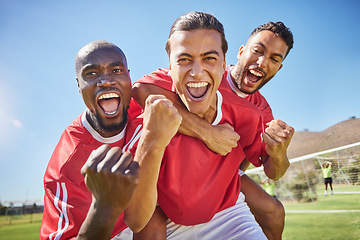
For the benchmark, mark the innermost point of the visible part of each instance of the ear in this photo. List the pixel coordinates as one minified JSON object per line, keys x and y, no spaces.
{"x":77,"y":80}
{"x":224,"y":63}
{"x":241,"y":51}
{"x":169,"y":66}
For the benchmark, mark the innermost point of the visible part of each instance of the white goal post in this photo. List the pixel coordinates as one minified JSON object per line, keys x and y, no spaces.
{"x":305,"y":172}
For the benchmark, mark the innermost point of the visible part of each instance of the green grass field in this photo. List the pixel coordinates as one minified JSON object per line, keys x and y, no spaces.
{"x":26,"y":227}
{"x":320,"y":225}
{"x":301,"y":226}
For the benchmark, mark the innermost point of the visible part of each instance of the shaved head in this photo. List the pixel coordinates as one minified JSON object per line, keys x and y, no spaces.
{"x":91,"y":47}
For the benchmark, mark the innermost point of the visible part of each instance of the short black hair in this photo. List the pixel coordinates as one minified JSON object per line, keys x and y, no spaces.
{"x":198,"y":20}
{"x":280,"y":30}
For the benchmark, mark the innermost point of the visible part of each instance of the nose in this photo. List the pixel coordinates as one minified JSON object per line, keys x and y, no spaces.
{"x":262,"y":61}
{"x":105,"y":82}
{"x":197,"y":69}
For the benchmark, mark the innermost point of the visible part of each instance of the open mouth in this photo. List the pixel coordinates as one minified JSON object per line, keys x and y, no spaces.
{"x":109,"y":103}
{"x":253,"y":76}
{"x":197,"y":90}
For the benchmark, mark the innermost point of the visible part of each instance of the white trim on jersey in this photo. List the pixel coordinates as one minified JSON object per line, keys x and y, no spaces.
{"x":62,"y":211}
{"x":136,"y":135}
{"x":219,"y":114}
{"x":232,"y":85}
{"x":97,"y":136}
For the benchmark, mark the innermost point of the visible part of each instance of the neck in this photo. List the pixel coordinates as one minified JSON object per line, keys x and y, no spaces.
{"x":233,"y":74}
{"x":105,"y":132}
{"x":210,"y":114}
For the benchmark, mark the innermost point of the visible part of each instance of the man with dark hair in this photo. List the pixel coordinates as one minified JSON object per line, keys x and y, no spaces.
{"x":280,"y":30}
{"x":199,"y":189}
{"x":203,"y":20}
{"x":92,"y":184}
{"x":258,"y":61}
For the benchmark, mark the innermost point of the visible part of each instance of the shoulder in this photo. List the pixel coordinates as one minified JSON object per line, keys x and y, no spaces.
{"x":133,"y":134}
{"x":238,"y":112}
{"x":73,"y":136}
{"x":158,"y":76}
{"x":257,"y":98}
{"x":76,"y":130}
{"x":237,"y":103}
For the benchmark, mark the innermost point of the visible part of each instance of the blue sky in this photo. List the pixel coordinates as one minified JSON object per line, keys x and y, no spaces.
{"x":317,"y":87}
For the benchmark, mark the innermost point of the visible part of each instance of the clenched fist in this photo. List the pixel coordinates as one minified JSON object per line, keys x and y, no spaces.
{"x":111,"y":176}
{"x":161,"y":118}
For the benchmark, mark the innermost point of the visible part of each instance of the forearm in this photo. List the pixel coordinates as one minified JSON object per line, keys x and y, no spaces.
{"x":220,"y":139}
{"x":277,"y":137}
{"x":99,"y":222}
{"x":267,"y":210}
{"x":276,"y":167}
{"x":149,"y":155}
{"x":244,"y":165}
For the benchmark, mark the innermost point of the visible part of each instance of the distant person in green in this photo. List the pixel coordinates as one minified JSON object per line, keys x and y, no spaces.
{"x":269,"y":187}
{"x":326,"y":168}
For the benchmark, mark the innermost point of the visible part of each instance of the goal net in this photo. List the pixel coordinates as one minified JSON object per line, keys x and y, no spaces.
{"x":305,"y":173}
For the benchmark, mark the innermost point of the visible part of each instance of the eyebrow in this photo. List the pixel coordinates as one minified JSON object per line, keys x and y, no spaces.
{"x":202,"y":55}
{"x":92,"y":66}
{"x":89,"y":66}
{"x":276,"y":54}
{"x":210,"y":52}
{"x":114,"y":64}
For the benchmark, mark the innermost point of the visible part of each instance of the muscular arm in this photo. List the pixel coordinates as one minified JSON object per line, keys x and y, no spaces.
{"x":220,"y":139}
{"x":277,"y":137}
{"x":112,"y":178}
{"x":160,"y":124}
{"x":268,"y":211}
{"x":115,"y":180}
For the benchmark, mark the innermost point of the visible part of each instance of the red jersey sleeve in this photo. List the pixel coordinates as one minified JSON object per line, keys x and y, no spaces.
{"x":265,"y":109}
{"x":67,"y":198}
{"x":254,"y":149}
{"x":247,"y":122}
{"x":160,"y":77}
{"x":260,"y":101}
{"x":134,"y":109}
{"x":133,"y":134}
{"x":66,"y":208}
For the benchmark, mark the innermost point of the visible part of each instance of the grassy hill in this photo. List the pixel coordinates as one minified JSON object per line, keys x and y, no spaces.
{"x":340,"y":134}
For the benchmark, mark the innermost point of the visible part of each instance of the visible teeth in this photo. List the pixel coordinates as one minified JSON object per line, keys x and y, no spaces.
{"x":197,"y":85}
{"x":108,"y":95}
{"x":255,"y":73}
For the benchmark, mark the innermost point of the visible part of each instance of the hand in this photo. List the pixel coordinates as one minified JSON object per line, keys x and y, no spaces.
{"x":223,"y":139}
{"x":111,"y":176}
{"x":277,"y":137}
{"x":161,"y":119}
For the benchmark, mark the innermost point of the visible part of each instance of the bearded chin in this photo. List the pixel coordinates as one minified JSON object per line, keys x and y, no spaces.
{"x":101,"y":127}
{"x":238,"y":76}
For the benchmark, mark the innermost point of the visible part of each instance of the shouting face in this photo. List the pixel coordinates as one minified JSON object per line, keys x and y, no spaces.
{"x":105,"y":85}
{"x":258,"y":61}
{"x":197,"y":63}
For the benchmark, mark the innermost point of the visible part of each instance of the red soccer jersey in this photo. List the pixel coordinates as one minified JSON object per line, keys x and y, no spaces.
{"x":67,"y":198}
{"x":255,"y":98}
{"x":194,"y":182}
{"x":162,"y":78}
